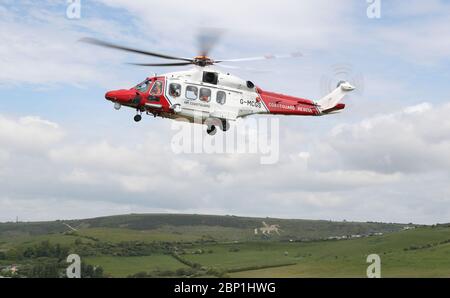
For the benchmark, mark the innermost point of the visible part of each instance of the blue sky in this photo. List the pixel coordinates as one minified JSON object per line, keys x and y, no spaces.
{"x":66,"y":153}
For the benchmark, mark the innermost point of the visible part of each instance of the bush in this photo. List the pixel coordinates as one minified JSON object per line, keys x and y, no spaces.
{"x":44,"y":270}
{"x":41,"y":250}
{"x":166,"y":273}
{"x":89,"y":271}
{"x":140,"y":275}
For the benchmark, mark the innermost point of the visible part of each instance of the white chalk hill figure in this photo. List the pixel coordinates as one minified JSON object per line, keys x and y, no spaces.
{"x":268,"y":229}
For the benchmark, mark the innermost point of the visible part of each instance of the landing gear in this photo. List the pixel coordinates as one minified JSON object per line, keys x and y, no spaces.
{"x":137,"y":118}
{"x":225,"y":125}
{"x":211,"y":130}
{"x":214,"y":123}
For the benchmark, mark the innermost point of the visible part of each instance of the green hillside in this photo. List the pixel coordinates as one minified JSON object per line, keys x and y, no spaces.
{"x":221,"y":227}
{"x":156,"y":245}
{"x":424,"y":252}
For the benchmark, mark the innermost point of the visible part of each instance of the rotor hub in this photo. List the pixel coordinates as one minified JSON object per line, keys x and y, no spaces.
{"x":203,"y":61}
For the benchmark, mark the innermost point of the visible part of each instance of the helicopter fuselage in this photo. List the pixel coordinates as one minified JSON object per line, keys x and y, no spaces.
{"x":205,"y":93}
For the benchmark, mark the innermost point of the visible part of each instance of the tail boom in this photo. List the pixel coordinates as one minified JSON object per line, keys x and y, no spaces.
{"x":281,"y":104}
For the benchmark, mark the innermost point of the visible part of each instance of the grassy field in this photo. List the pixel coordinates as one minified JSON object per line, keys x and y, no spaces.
{"x":168,"y":234}
{"x":125,"y":266}
{"x":228,"y":245}
{"x":237,"y":256}
{"x":120,"y":235}
{"x":425,"y":263}
{"x":418,"y":253}
{"x":23,"y":240}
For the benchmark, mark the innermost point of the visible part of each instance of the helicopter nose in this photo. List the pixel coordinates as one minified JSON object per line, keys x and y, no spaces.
{"x":120,"y":96}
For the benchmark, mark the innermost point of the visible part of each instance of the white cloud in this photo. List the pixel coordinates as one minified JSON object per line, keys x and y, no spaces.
{"x":422,"y":42}
{"x":28,"y":133}
{"x":421,"y":108}
{"x":38,"y":209}
{"x":416,"y":31}
{"x":41,"y":48}
{"x":396,"y":159}
{"x":254,"y":21}
{"x":350,"y":171}
{"x":81,"y":177}
{"x":418,"y":8}
{"x":416,"y":139}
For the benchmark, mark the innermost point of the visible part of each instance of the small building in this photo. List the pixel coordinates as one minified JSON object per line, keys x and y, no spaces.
{"x":408,"y":228}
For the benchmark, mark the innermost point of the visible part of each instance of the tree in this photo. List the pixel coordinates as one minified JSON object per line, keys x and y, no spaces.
{"x":141,"y":275}
{"x":89,"y":271}
{"x":45,"y":270}
{"x":14,"y":254}
{"x":98,"y":272}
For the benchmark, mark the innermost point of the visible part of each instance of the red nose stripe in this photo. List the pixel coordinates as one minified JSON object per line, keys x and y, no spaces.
{"x":121,"y":96}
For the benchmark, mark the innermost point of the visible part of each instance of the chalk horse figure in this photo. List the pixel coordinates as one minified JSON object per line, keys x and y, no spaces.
{"x":268,"y":229}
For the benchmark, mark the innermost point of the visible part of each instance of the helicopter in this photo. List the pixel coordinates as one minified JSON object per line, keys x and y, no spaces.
{"x":207,"y":95}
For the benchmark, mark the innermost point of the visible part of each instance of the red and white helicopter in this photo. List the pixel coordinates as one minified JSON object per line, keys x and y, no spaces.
{"x":214,"y":97}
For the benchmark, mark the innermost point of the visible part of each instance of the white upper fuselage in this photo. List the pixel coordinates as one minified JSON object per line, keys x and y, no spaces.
{"x":229,"y":99}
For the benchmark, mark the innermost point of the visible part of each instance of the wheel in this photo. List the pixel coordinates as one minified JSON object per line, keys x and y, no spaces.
{"x":211,"y":130}
{"x":225,"y":125}
{"x":177,"y":108}
{"x":137,"y":118}
{"x":214,"y":122}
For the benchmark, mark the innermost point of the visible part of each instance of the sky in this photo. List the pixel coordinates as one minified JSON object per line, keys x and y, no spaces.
{"x":66,"y":153}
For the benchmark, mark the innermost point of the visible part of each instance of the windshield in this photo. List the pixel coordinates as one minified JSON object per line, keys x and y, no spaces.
{"x":143,"y":87}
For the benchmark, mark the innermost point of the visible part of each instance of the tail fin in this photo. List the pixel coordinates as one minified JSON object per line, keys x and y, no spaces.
{"x":330,"y":102}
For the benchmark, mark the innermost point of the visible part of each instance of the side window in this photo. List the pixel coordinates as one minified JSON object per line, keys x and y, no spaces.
{"x":157,"y":88}
{"x":191,"y":92}
{"x":175,"y":90}
{"x":205,"y":94}
{"x":221,"y":97}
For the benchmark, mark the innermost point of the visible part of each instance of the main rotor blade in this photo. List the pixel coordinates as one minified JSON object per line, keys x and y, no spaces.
{"x":207,"y":39}
{"x":266,"y":57}
{"x":162,"y":64}
{"x":254,"y":70}
{"x":127,"y":49}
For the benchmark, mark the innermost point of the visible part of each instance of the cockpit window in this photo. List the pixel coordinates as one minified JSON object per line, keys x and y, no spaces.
{"x":175,"y":90}
{"x":205,"y":94}
{"x":143,"y":87}
{"x":157,"y":88}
